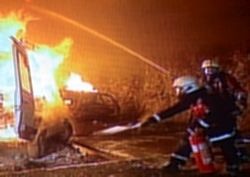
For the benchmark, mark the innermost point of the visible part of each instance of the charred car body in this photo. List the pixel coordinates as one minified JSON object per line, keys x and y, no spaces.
{"x":90,"y":110}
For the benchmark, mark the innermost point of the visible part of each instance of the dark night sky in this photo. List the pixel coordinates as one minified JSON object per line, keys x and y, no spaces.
{"x":144,"y":24}
{"x":161,"y":30}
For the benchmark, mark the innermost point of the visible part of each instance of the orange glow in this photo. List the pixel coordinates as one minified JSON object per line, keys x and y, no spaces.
{"x":8,"y":133}
{"x":75,"y":83}
{"x":10,"y":25}
{"x":44,"y":64}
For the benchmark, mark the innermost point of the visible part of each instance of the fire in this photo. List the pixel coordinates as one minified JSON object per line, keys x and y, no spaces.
{"x":75,"y":83}
{"x":44,"y":65}
{"x":44,"y":62}
{"x":8,"y":133}
{"x":11,"y":25}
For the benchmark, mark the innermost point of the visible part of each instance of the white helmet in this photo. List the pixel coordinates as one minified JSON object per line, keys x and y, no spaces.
{"x":210,"y":67}
{"x":210,"y":64}
{"x":185,"y":85}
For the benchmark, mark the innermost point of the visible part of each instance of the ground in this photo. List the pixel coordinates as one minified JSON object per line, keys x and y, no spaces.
{"x":139,"y":153}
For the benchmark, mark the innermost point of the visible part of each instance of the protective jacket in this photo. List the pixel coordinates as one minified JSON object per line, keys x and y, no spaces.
{"x":217,"y":119}
{"x":225,"y":84}
{"x":211,"y":111}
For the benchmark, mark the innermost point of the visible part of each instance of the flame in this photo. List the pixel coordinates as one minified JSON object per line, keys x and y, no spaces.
{"x":44,"y":65}
{"x":11,"y":25}
{"x":8,"y":133}
{"x":75,"y":83}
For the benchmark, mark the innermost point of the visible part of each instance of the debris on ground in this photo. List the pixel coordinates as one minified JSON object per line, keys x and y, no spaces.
{"x":67,"y":156}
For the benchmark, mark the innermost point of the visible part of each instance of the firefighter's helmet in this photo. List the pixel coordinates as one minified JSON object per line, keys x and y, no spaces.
{"x":209,"y":64}
{"x":210,"y":67}
{"x":185,"y":84}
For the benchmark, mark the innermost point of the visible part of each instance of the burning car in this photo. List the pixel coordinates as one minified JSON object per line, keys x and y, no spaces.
{"x":90,"y":109}
{"x":31,"y":92}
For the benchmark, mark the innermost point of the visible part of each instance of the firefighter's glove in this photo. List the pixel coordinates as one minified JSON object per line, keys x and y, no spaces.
{"x":151,"y":120}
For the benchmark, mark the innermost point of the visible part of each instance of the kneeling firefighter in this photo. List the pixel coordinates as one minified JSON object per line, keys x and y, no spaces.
{"x":210,"y":115}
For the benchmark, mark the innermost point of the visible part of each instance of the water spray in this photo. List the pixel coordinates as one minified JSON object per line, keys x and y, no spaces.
{"x":102,"y":37}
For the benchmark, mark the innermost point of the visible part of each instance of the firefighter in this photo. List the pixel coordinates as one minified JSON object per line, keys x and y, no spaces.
{"x":224,"y":84}
{"x":216,"y":122}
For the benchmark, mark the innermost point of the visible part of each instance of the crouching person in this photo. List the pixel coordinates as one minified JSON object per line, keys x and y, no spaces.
{"x":214,"y":119}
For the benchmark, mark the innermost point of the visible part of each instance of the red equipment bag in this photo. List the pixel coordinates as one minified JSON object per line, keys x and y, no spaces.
{"x":202,"y":153}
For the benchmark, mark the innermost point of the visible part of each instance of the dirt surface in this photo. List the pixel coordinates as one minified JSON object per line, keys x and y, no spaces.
{"x":139,"y":153}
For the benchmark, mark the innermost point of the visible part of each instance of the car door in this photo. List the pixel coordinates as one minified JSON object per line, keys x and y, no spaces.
{"x":24,"y":99}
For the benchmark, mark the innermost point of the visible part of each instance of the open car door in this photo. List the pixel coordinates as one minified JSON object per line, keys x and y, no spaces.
{"x":24,"y":99}
{"x":27,"y":125}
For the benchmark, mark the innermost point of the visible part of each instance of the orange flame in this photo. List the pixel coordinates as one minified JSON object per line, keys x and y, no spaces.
{"x":44,"y":63}
{"x":9,"y":26}
{"x":75,"y":83}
